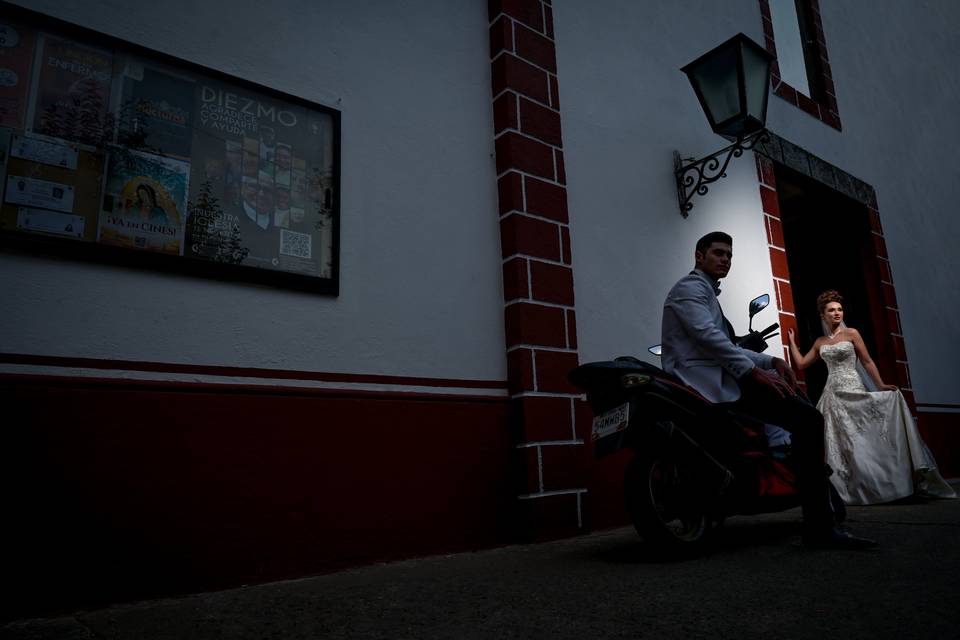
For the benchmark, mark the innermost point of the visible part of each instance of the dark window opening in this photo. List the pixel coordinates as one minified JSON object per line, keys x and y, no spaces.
{"x":811,"y":50}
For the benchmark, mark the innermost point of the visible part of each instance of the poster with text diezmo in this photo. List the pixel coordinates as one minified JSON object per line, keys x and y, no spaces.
{"x":72,"y":91}
{"x":256,"y":163}
{"x":144,"y":203}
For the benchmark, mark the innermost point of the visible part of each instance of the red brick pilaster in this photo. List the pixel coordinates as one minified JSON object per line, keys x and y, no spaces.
{"x":900,"y":376}
{"x":783,"y":292}
{"x":539,"y":310}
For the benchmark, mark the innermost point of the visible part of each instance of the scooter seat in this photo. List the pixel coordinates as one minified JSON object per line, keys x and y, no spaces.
{"x":595,"y":375}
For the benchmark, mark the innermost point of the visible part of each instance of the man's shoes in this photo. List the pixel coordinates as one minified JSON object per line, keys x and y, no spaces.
{"x":836,"y":538}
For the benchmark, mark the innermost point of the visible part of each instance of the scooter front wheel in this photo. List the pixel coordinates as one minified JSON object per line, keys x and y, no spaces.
{"x":660,"y":495}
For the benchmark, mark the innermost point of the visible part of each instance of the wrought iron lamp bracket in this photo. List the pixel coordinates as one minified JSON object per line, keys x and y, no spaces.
{"x":694,"y":176}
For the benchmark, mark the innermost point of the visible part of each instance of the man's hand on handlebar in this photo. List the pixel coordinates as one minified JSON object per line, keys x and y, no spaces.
{"x":786,"y":372}
{"x":772,"y":380}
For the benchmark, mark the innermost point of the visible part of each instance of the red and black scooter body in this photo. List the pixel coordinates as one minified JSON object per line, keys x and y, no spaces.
{"x":639,"y":406}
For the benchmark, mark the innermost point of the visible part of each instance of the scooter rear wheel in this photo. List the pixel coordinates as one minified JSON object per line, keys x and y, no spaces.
{"x":661,"y":500}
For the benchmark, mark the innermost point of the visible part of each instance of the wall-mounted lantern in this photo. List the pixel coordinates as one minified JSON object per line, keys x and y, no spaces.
{"x":732,"y":82}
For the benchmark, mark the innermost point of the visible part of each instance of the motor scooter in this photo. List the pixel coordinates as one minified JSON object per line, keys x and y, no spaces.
{"x":694,"y":463}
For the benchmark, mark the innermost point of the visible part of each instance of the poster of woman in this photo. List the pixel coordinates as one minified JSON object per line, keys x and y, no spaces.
{"x":145,"y":202}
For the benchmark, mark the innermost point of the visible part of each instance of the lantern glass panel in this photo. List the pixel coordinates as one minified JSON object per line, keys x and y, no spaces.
{"x":716,"y":79}
{"x":756,"y":69}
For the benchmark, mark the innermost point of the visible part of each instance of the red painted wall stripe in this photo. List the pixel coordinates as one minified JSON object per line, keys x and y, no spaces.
{"x":237,"y":388}
{"x":241,"y":372}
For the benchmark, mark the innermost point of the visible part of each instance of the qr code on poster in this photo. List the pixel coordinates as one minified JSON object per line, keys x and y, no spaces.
{"x":295,"y":244}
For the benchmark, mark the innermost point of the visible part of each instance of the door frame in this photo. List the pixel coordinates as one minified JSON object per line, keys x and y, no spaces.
{"x":891,"y":356}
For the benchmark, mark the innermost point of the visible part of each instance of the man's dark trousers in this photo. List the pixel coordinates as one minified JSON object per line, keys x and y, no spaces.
{"x":805,"y":424}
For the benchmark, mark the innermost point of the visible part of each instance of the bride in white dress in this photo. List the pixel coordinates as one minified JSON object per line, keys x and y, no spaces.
{"x":872,"y":442}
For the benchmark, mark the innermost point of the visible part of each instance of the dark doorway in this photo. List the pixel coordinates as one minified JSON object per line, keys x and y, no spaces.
{"x":829,"y":245}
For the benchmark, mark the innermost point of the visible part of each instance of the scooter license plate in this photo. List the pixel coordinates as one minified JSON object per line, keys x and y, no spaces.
{"x":611,"y":421}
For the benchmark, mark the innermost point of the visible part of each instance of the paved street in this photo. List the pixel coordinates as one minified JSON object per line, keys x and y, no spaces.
{"x":759,"y":583}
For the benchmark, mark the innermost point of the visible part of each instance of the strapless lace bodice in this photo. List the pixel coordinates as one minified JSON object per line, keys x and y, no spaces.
{"x":841,"y":359}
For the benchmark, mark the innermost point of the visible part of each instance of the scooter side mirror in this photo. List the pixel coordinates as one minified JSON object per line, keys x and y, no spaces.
{"x":757,"y":305}
{"x":655,"y":349}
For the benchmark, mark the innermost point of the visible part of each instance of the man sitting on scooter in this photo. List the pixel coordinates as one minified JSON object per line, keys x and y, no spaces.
{"x":697,"y":348}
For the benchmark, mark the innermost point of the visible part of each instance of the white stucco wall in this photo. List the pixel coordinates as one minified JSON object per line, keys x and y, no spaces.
{"x":626,"y":106}
{"x":420,"y":281}
{"x":420,"y":285}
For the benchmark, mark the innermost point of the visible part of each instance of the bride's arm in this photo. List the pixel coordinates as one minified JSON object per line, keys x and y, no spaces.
{"x":799,"y":361}
{"x":867,"y":361}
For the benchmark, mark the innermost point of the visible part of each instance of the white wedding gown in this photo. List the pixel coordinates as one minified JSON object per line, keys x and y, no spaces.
{"x":871,"y":440}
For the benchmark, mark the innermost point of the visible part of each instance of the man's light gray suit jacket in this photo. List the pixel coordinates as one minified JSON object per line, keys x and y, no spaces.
{"x":695,"y":344}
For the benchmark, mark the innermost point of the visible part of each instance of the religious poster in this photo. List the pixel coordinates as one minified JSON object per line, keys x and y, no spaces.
{"x":144,"y":204}
{"x":153,"y":108}
{"x":72,"y":91}
{"x":260,"y":167}
{"x":16,"y":59}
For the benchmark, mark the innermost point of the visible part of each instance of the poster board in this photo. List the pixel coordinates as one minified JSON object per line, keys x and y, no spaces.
{"x":109,"y":151}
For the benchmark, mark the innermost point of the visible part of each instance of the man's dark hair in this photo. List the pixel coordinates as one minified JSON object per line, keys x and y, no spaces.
{"x":714,"y":236}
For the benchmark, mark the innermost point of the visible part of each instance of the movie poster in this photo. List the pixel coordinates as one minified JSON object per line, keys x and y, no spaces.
{"x":144,"y":204}
{"x":16,"y":59}
{"x":72,"y":91}
{"x":153,"y":108}
{"x":254,"y":160}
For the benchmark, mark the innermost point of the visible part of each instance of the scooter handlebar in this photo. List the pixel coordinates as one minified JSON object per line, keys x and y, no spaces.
{"x":769,"y":329}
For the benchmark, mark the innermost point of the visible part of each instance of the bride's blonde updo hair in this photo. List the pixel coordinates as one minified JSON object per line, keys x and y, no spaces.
{"x":826,"y":298}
